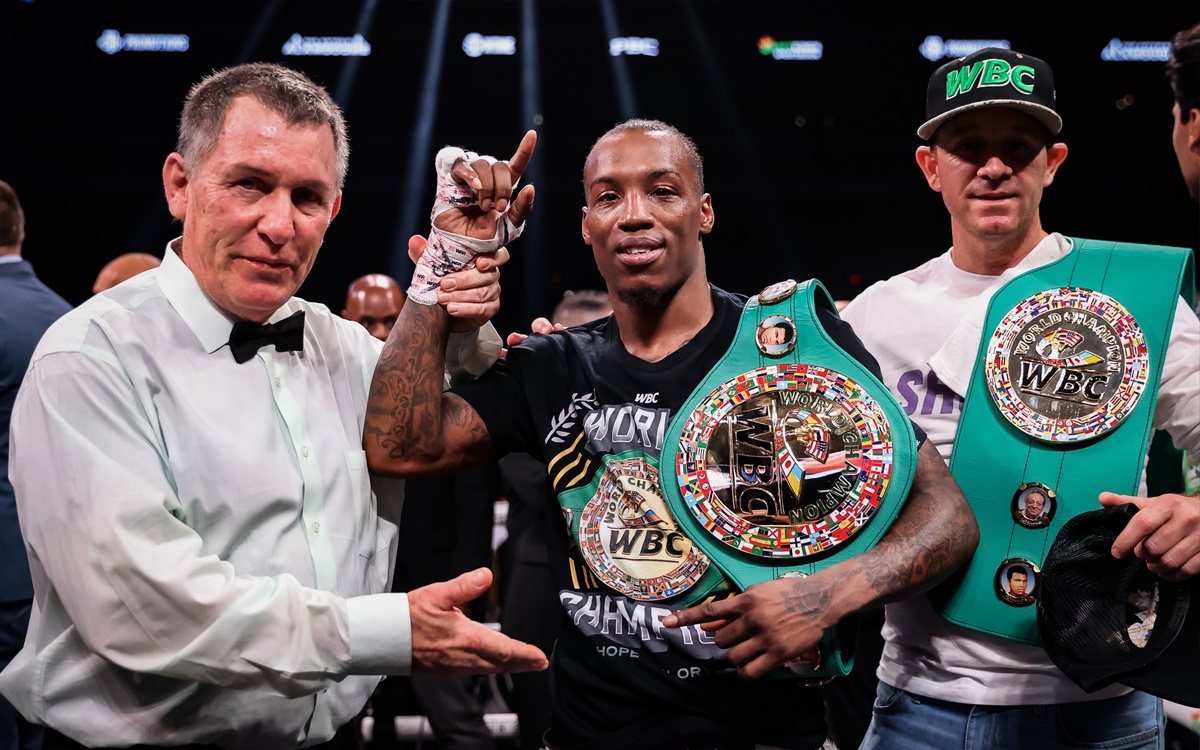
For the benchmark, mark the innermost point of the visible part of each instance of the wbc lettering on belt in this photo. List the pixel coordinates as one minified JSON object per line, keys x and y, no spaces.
{"x":785,"y":461}
{"x":1067,"y":364}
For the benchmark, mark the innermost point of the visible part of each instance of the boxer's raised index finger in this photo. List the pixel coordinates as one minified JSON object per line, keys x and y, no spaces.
{"x":520,"y":160}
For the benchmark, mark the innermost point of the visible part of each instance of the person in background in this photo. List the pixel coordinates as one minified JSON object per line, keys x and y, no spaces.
{"x":529,"y":609}
{"x":374,"y":301}
{"x":214,"y":568}
{"x":452,"y":703}
{"x":27,"y":308}
{"x":123,"y":267}
{"x":1183,"y":73}
{"x":580,"y":307}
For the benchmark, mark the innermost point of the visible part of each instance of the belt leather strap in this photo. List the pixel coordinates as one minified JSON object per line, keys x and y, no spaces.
{"x":758,"y":500}
{"x":993,"y":459}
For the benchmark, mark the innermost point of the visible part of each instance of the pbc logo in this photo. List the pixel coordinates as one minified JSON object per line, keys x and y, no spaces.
{"x":646,"y":398}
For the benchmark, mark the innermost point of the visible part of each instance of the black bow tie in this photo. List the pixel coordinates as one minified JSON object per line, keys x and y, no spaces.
{"x":247,"y":338}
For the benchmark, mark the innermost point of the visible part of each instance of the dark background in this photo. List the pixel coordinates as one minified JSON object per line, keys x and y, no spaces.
{"x":83,"y":134}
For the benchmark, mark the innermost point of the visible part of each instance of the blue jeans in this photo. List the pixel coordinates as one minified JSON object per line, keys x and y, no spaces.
{"x":903,"y":721}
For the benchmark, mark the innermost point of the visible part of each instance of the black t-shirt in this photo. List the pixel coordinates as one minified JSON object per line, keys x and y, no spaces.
{"x":582,"y":405}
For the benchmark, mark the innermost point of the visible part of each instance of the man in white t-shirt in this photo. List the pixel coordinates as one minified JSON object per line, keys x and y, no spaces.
{"x":991,"y":153}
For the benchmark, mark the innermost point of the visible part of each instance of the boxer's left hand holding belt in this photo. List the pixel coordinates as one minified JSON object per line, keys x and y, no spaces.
{"x":472,"y":214}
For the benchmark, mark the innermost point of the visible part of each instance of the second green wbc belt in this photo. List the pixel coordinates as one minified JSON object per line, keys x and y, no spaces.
{"x":1060,"y":408}
{"x":790,"y":455}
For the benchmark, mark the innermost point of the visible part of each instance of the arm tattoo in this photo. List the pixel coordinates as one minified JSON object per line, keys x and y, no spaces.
{"x":411,"y":427}
{"x":805,"y":598}
{"x":934,"y":534}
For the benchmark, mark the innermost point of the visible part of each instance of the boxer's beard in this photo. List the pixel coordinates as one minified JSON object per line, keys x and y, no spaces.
{"x":644,"y":297}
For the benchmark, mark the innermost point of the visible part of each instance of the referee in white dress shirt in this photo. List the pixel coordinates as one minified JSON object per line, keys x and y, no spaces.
{"x":210,"y":558}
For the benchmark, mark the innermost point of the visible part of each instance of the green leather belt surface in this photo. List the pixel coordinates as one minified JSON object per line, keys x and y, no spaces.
{"x":992,"y":458}
{"x":773,"y":475}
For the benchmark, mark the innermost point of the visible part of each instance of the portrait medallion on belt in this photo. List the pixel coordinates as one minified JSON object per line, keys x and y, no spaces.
{"x":785,"y":461}
{"x":1033,"y":505}
{"x":776,"y":335}
{"x":1017,"y":581}
{"x":629,"y":539}
{"x":777,"y":292}
{"x":1067,"y":364}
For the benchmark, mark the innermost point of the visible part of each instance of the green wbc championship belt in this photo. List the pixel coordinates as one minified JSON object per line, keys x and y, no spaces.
{"x":1059,"y":409}
{"x":791,"y":456}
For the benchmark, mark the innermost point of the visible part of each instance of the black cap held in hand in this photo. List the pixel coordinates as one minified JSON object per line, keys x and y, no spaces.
{"x":1104,"y":620}
{"x":991,"y":77}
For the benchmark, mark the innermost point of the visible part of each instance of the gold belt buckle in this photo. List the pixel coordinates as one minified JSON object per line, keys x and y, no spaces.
{"x":810,"y":664}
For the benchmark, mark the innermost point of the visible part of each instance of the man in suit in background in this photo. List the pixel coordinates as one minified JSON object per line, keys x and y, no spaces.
{"x":27,"y":308}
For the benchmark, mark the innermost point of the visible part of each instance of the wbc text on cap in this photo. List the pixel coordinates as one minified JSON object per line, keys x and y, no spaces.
{"x":990,"y":72}
{"x":991,"y":77}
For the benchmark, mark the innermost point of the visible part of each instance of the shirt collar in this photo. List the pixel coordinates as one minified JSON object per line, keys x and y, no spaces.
{"x":208,"y":320}
{"x":12,"y":258}
{"x":954,"y":362}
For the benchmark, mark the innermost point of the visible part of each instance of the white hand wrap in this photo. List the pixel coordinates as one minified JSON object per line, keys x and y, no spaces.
{"x":447,"y":252}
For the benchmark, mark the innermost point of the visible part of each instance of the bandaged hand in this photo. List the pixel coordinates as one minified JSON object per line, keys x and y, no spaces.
{"x":472,"y":213}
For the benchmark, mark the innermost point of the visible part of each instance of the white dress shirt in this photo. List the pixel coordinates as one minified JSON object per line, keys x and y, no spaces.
{"x":209,"y":555}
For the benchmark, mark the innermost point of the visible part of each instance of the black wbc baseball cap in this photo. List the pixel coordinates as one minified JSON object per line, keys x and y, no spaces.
{"x":991,"y":77}
{"x":1104,"y":620}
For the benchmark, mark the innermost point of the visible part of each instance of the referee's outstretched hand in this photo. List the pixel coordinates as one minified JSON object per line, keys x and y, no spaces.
{"x":446,"y":641}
